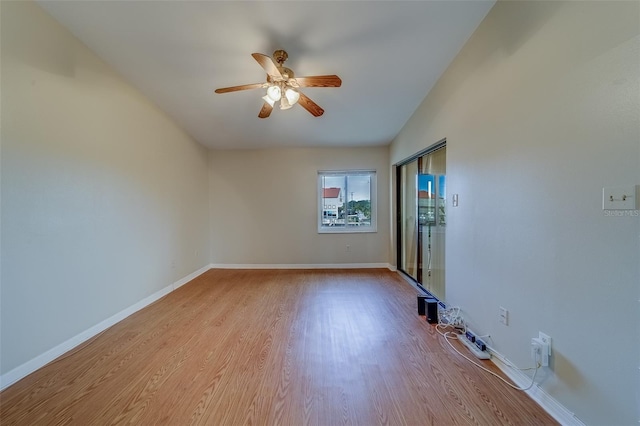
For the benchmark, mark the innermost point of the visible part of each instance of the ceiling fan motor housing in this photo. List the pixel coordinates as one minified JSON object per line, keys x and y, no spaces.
{"x":280,"y":56}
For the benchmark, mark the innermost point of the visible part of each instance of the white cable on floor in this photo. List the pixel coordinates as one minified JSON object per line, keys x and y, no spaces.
{"x":447,"y":337}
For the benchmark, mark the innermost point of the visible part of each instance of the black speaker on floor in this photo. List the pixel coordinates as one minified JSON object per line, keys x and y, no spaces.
{"x":421,"y":298}
{"x":431,"y":308}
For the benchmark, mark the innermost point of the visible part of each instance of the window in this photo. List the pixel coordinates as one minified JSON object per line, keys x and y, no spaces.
{"x":346,"y":201}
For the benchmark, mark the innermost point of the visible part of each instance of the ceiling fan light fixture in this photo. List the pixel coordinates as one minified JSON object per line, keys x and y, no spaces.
{"x":292,"y":96}
{"x":284,"y":103}
{"x":274,"y":93}
{"x":268,"y":100}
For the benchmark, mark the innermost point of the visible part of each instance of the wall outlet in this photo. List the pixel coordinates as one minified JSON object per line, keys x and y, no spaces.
{"x":546,"y":340}
{"x":504,"y":315}
{"x":536,"y":352}
{"x":541,"y":349}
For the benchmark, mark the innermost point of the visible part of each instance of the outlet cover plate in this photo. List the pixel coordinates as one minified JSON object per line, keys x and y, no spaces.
{"x":504,"y":316}
{"x":546,"y":340}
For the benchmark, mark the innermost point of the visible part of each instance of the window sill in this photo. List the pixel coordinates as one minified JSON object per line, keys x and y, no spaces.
{"x":350,"y":230}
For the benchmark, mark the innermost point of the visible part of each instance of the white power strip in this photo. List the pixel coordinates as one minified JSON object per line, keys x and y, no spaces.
{"x":473,"y":348}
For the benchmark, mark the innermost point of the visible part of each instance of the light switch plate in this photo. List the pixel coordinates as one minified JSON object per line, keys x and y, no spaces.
{"x":620,"y":198}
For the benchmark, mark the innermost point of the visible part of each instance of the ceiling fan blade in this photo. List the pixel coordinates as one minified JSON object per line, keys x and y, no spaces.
{"x":243,"y":87}
{"x":267,"y":63}
{"x":310,"y":106}
{"x":266,"y":110}
{"x":318,"y":81}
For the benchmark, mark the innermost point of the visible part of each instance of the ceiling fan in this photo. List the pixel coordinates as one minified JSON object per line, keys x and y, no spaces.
{"x":283,"y":86}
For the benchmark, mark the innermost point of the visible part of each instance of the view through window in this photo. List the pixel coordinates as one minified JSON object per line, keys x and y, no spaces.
{"x":346,"y":201}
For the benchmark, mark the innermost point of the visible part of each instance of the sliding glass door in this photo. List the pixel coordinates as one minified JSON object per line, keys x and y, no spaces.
{"x":409,"y":219}
{"x":422,"y":219}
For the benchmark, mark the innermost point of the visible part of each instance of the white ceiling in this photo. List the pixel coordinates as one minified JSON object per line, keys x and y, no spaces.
{"x":388,"y":54}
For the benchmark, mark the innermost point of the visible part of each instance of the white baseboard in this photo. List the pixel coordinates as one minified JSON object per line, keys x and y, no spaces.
{"x":41,"y":360}
{"x":301,"y":266}
{"x":191,"y":276}
{"x":546,"y":401}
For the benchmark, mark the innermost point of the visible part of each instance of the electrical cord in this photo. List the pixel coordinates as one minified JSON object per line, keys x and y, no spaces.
{"x":451,"y":318}
{"x":533,"y":379}
{"x":504,"y":360}
{"x":441,"y":326}
{"x":509,"y":363}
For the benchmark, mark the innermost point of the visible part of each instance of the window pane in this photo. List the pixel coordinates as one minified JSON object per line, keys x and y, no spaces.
{"x":359,"y":204}
{"x":442,"y":200}
{"x":333,"y":189}
{"x":346,"y":201}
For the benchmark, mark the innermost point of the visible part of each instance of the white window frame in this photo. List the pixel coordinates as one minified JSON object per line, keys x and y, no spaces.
{"x":373,"y":227}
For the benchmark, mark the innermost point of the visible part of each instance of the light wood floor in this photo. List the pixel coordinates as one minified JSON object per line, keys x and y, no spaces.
{"x":270,"y":348}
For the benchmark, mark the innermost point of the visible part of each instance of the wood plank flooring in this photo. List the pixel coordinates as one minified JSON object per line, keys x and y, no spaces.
{"x":270,"y":347}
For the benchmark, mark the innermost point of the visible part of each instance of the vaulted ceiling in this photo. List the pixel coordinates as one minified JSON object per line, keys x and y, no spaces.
{"x":389,"y":54}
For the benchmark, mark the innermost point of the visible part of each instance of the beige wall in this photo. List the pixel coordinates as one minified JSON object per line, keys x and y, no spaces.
{"x":264,"y":207}
{"x":104,"y":199}
{"x":541,"y":111}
